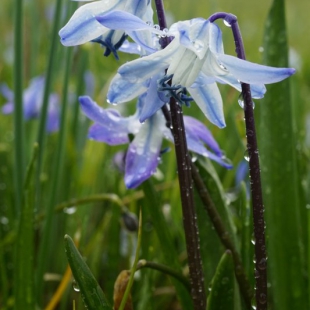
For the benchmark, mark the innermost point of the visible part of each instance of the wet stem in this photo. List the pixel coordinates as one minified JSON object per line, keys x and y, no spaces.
{"x":186,"y":189}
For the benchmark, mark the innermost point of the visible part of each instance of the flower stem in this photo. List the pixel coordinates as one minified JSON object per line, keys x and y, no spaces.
{"x":186,"y":189}
{"x":254,"y":169}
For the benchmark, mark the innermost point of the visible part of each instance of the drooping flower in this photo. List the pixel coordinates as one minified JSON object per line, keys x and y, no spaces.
{"x":144,"y":150}
{"x":195,"y":59}
{"x":83,"y":26}
{"x":32,"y":103}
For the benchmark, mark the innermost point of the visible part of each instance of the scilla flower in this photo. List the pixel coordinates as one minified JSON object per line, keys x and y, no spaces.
{"x":32,"y":103}
{"x":195,"y":59}
{"x":144,"y":150}
{"x":84,"y":27}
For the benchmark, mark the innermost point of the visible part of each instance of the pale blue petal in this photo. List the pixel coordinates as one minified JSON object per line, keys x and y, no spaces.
{"x":143,"y":40}
{"x":215,"y":38}
{"x":122,"y":90}
{"x":8,"y":108}
{"x":251,"y":73}
{"x":143,"y":153}
{"x":257,"y":90}
{"x":33,"y":98}
{"x":130,"y":48}
{"x":107,"y":117}
{"x":111,"y":136}
{"x":195,"y":128}
{"x":6,"y":92}
{"x":122,"y":20}
{"x":83,"y":26}
{"x":209,"y":100}
{"x":53,"y":114}
{"x":141,"y":69}
{"x":150,"y":101}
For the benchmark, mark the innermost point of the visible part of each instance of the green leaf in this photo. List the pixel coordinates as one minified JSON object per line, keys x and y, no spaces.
{"x":280,"y":177}
{"x":222,"y":290}
{"x":92,"y":294}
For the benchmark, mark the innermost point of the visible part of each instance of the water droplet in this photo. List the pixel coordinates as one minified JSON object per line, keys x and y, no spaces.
{"x":70,"y":210}
{"x":262,"y":264}
{"x":246,"y":155}
{"x":199,"y":45}
{"x":223,"y":67}
{"x":226,"y":23}
{"x":156,"y":26}
{"x":262,"y":298}
{"x":165,"y":32}
{"x":75,"y":286}
{"x":261,"y":49}
{"x":253,"y":241}
{"x":241,"y":102}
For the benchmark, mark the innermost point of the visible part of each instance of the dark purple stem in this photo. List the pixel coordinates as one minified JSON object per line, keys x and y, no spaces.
{"x":256,"y":189}
{"x":186,"y":189}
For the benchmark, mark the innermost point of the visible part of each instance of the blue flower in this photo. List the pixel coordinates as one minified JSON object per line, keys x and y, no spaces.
{"x":144,"y":150}
{"x":83,"y":26}
{"x":195,"y":59}
{"x":32,"y":103}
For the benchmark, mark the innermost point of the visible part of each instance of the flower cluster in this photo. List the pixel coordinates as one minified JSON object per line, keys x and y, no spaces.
{"x":188,"y":69}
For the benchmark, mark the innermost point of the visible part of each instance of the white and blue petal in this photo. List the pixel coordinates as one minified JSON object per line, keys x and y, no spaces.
{"x":196,"y":128}
{"x":209,"y":100}
{"x":123,"y":90}
{"x":109,"y":118}
{"x":141,"y":69}
{"x":251,"y":73}
{"x":109,"y":135}
{"x":143,"y":153}
{"x":83,"y":26}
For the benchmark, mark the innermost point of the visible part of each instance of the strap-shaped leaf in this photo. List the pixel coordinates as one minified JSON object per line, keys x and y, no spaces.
{"x":222,"y":291}
{"x":92,"y":294}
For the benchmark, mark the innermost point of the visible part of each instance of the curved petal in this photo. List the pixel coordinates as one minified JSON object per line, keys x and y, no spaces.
{"x":143,"y":153}
{"x":195,"y":128}
{"x":251,"y":73}
{"x":53,"y":114}
{"x":139,"y":70}
{"x":257,"y":90}
{"x":150,"y":101}
{"x":122,"y":20}
{"x":209,"y":100}
{"x":122,"y":90}
{"x":111,"y":136}
{"x":107,"y":117}
{"x":83,"y":26}
{"x":6,"y":92}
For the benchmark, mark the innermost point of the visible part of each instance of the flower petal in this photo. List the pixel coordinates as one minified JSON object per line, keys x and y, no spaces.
{"x":6,"y":92}
{"x":122,"y":20}
{"x":109,"y":118}
{"x":150,"y":102}
{"x":83,"y":26}
{"x":53,"y":114}
{"x":139,"y":70}
{"x":195,"y":128}
{"x":251,"y":73}
{"x":143,"y":153}
{"x":209,"y":100}
{"x":122,"y":90}
{"x":111,"y":136}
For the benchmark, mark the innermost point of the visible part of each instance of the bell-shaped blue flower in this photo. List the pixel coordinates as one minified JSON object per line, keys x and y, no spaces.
{"x":83,"y":26}
{"x":32,"y":103}
{"x":195,"y":59}
{"x":143,"y":154}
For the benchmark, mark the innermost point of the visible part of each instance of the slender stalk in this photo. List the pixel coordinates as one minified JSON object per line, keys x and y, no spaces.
{"x":254,"y":169}
{"x":164,"y":269}
{"x":46,"y":232}
{"x":219,"y":226}
{"x":19,"y":147}
{"x":186,"y":189}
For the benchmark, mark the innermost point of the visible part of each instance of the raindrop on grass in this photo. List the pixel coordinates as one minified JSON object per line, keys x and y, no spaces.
{"x":75,"y":286}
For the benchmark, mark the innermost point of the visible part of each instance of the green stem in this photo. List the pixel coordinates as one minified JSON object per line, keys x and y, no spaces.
{"x":19,"y":139}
